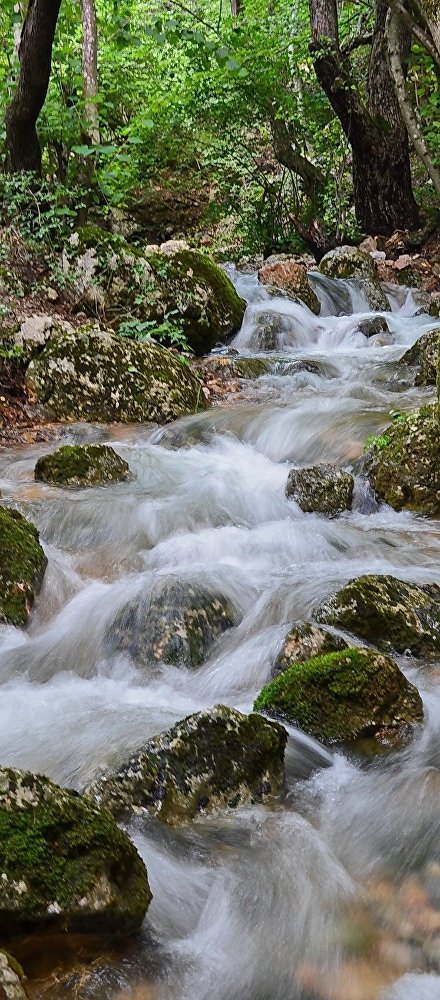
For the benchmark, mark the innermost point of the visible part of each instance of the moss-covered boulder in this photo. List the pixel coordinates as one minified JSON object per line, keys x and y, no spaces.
{"x":344,"y":696}
{"x":303,"y":642}
{"x":348,"y":262}
{"x":423,"y":357}
{"x":392,"y":615}
{"x":12,"y":979}
{"x":211,"y":760}
{"x":178,"y":624}
{"x":403,"y":464}
{"x":323,"y":489}
{"x":291,"y":278}
{"x":82,"y":465}
{"x":65,"y":864}
{"x":22,"y":566}
{"x":93,"y":374}
{"x":114,"y":278}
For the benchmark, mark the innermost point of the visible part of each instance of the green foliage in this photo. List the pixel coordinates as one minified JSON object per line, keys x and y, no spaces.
{"x":44,"y":209}
{"x":169,"y":332}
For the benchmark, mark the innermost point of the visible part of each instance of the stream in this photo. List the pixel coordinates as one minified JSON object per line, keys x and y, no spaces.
{"x":335,"y":894}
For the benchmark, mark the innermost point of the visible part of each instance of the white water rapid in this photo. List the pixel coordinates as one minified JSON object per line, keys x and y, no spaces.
{"x":256,"y":905}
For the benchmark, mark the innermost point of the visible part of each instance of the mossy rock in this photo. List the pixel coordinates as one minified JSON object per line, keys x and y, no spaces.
{"x":22,"y":566}
{"x":66,"y":865}
{"x":82,"y":465}
{"x":93,"y":374}
{"x":373,"y":292}
{"x":423,"y":355}
{"x":12,"y":979}
{"x":393,"y":615}
{"x":216,"y":759}
{"x":403,"y":464}
{"x":178,"y":624}
{"x":348,"y":262}
{"x":322,"y":489}
{"x":303,"y":642}
{"x":115,"y":278}
{"x":344,"y":696}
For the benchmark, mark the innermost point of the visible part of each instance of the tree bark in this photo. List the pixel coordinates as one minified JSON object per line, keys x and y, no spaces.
{"x":90,"y":69}
{"x":383,"y":195}
{"x":35,"y":55}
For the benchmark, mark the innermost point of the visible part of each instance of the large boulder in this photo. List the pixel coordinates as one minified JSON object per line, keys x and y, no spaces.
{"x":177,"y":624}
{"x":65,"y":864}
{"x":393,"y":615}
{"x":291,"y":278}
{"x":344,"y":696}
{"x":403,"y":464}
{"x":323,"y":489}
{"x":212,"y":760}
{"x":82,"y":465}
{"x":303,"y":642}
{"x":94,"y":374}
{"x":172,"y":283}
{"x":22,"y":566}
{"x":423,"y":356}
{"x":348,"y":262}
{"x":12,"y":979}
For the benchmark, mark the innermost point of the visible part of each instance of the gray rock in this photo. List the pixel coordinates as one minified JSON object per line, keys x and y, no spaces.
{"x":322,"y":489}
{"x":66,"y":865}
{"x":303,"y":642}
{"x":373,"y":325}
{"x":178,"y":624}
{"x":12,"y":979}
{"x":394,"y":616}
{"x":212,"y":760}
{"x":348,"y":262}
{"x":423,"y":355}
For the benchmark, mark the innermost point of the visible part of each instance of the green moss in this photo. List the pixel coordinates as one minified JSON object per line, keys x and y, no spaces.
{"x":343,"y":696}
{"x":391,"y":614}
{"x":404,"y":463}
{"x":82,"y":465}
{"x":214,"y":759}
{"x":64,"y":861}
{"x":22,"y":565}
{"x":348,"y":262}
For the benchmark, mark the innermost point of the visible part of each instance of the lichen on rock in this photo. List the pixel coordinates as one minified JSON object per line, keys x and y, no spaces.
{"x":403,"y":464}
{"x":82,"y":465}
{"x":22,"y":566}
{"x":178,"y":624}
{"x":323,"y":489}
{"x":393,"y":615}
{"x":303,"y":642}
{"x":212,"y":760}
{"x":423,"y":356}
{"x":112,"y":277}
{"x":93,"y":374}
{"x":344,"y":696}
{"x":65,"y":864}
{"x":348,"y":262}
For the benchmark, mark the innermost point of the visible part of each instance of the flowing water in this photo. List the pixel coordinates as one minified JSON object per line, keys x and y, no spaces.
{"x":335,"y":895}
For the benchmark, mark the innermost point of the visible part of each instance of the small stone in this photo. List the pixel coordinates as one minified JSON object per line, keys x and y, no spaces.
{"x":82,"y":465}
{"x":375,"y":324}
{"x":52,"y":294}
{"x":303,"y":642}
{"x":321,"y":489}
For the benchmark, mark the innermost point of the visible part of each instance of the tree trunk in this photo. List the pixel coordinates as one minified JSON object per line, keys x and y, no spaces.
{"x":35,"y":54}
{"x":90,"y":69}
{"x":383,"y":195}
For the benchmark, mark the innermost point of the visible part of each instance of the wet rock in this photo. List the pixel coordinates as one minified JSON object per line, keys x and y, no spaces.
{"x":403,"y":464}
{"x":82,"y":465}
{"x":22,"y":566}
{"x":344,"y":696}
{"x":232,"y":368}
{"x":290,"y":278}
{"x":65,"y":864}
{"x":272,"y":329}
{"x":372,"y":292}
{"x":178,"y":624}
{"x":93,"y":374}
{"x":348,"y":262}
{"x":212,"y":760}
{"x":393,"y":615}
{"x":423,"y":355}
{"x":303,"y":642}
{"x":322,"y":489}
{"x":373,"y":325}
{"x":113,"y":277}
{"x":12,"y":979}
